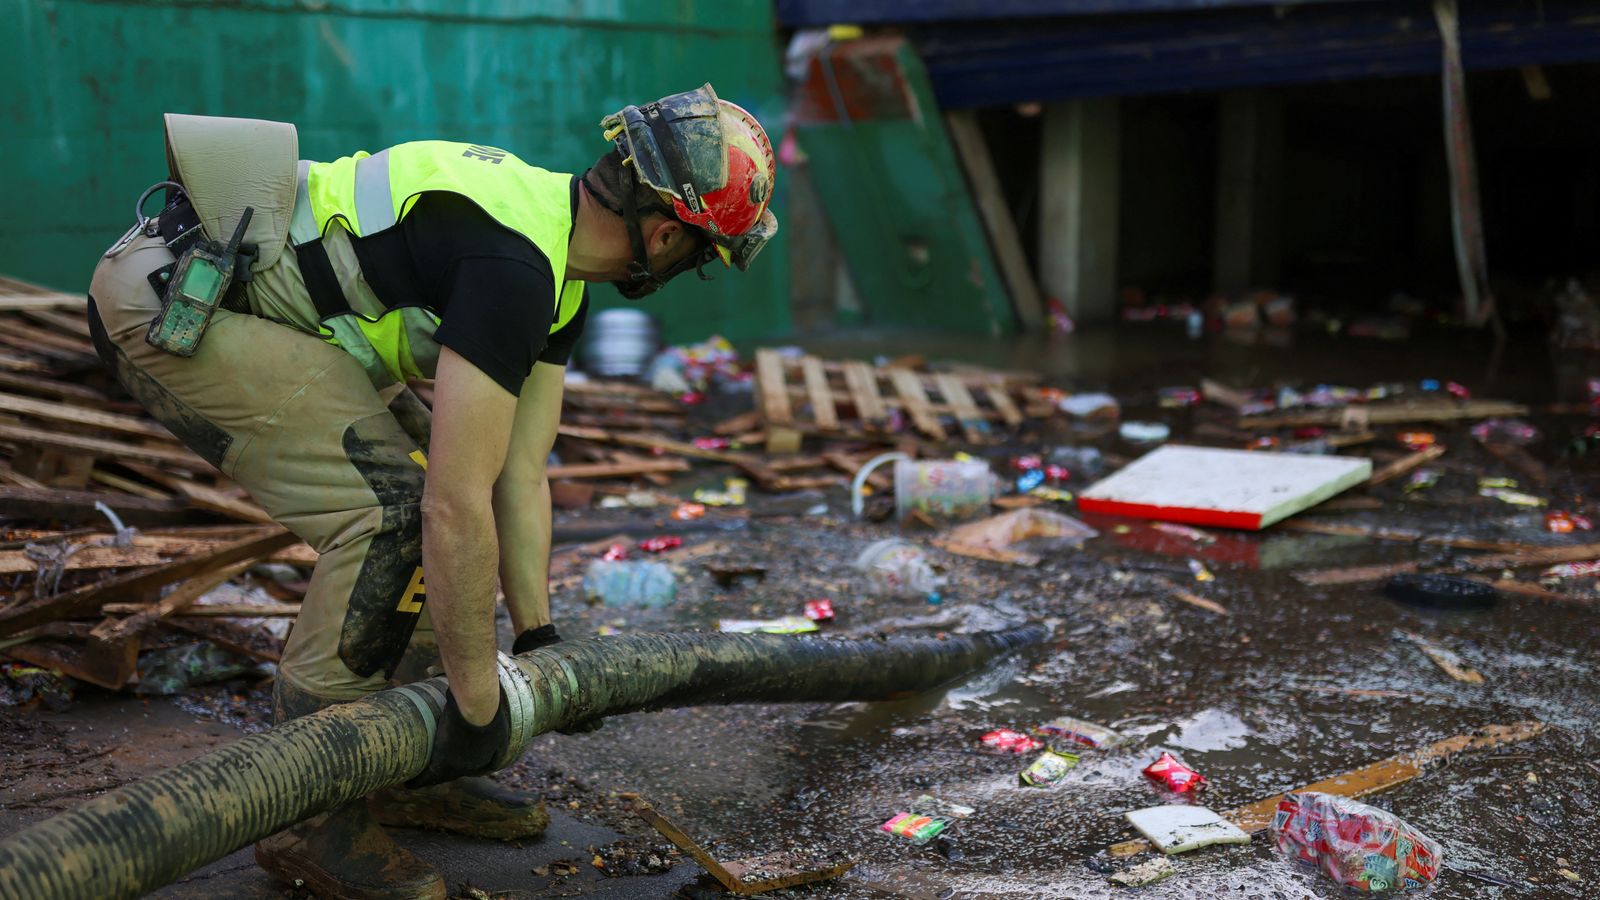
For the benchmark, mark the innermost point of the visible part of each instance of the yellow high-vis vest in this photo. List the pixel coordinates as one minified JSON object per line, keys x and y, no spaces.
{"x":369,"y":193}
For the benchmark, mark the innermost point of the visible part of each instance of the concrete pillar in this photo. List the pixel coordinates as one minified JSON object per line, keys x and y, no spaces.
{"x":1249,"y":191}
{"x":1080,"y":157}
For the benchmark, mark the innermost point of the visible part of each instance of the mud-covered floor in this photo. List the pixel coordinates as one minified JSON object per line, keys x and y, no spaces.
{"x":1294,"y":685}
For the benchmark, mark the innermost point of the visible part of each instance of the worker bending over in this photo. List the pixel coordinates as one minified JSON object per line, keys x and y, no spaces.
{"x":271,"y":315}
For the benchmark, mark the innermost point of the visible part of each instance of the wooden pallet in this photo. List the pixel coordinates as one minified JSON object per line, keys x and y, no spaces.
{"x":855,"y":399}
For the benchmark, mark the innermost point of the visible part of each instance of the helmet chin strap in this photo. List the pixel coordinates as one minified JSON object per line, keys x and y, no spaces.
{"x":642,"y":280}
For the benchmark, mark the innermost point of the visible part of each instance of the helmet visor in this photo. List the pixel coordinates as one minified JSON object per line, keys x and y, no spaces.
{"x":738,"y":250}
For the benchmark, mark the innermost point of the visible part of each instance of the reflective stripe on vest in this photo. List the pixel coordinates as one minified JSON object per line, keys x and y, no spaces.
{"x":368,"y":194}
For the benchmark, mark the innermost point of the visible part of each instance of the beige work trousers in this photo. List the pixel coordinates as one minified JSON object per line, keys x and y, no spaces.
{"x":297,"y":422}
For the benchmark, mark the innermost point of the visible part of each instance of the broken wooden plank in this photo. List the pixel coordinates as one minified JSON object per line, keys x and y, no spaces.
{"x":821,"y":396}
{"x":49,"y":504}
{"x":1177,"y":592}
{"x":13,"y":301}
{"x":862,"y":383}
{"x":50,"y":387}
{"x":89,"y":597}
{"x":747,"y":876}
{"x":66,"y":323}
{"x":973,"y":425}
{"x":1404,"y":536}
{"x":1395,"y":413}
{"x":127,"y":485}
{"x":1000,"y":399}
{"x":254,"y":643}
{"x":105,"y":665}
{"x":193,"y":588}
{"x":1521,"y":556}
{"x":1519,"y":459}
{"x":211,"y":611}
{"x":966,"y":137}
{"x":52,"y":411}
{"x":1370,"y":779}
{"x":772,"y":388}
{"x":915,"y":401}
{"x":176,"y":457}
{"x":1446,"y":659}
{"x":617,"y":470}
{"x":1405,"y":464}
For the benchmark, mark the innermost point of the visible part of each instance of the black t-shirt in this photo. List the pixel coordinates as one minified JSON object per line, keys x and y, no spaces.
{"x":491,"y":288}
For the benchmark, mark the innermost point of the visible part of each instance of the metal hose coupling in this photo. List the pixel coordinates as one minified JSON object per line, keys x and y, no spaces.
{"x":428,"y":697}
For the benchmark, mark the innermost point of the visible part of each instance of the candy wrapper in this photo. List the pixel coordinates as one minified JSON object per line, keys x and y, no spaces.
{"x":819,"y":610}
{"x":1174,"y":775}
{"x":1563,"y":522}
{"x":1069,"y":732}
{"x":660,"y":544}
{"x":1049,"y":768}
{"x":1011,"y":741}
{"x":688,"y":511}
{"x":1421,"y":480}
{"x":784,"y":625}
{"x":615,"y":552}
{"x":1358,"y":846}
{"x":1417,"y":440}
{"x":918,"y":829}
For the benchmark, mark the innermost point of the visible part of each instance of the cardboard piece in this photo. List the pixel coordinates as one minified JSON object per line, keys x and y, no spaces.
{"x":1225,"y":488}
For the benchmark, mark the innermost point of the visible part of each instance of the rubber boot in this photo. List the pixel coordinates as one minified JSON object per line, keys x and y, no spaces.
{"x":475,"y":807}
{"x":343,"y":853}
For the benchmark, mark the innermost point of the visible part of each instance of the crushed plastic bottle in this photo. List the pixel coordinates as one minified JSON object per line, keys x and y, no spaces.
{"x":898,"y":569}
{"x":1358,"y":846}
{"x":627,"y":583}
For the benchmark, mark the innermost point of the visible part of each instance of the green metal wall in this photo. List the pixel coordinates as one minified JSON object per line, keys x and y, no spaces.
{"x":897,"y":199}
{"x":83,"y":84}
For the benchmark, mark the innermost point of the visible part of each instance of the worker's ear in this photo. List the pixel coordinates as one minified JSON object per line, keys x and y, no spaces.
{"x":665,"y":237}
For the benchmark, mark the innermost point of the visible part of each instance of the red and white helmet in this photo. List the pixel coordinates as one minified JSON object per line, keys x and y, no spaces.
{"x":713,"y":161}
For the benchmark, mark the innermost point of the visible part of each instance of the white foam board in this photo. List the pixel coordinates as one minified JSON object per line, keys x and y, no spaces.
{"x":1178,"y":829}
{"x":1225,"y":488}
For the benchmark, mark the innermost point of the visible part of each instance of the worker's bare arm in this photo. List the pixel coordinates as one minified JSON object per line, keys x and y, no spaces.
{"x":472,"y":421}
{"x":522,"y":499}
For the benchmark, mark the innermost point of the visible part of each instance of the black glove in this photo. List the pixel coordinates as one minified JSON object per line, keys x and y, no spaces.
{"x":534,"y":638}
{"x":461,"y":748}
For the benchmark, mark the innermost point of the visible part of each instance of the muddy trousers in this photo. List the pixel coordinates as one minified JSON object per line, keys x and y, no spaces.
{"x":297,"y":422}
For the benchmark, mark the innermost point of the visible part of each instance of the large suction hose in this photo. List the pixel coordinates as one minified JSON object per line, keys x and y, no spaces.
{"x":148,"y":833}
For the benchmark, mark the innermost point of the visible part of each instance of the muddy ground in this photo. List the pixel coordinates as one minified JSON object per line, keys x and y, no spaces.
{"x":1293,"y":685}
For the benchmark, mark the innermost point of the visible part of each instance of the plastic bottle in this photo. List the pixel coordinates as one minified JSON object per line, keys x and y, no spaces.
{"x":625,"y":583}
{"x":899,"y":569}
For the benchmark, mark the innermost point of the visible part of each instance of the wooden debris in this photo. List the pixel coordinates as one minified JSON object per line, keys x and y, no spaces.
{"x":1177,"y":592}
{"x":748,"y":876}
{"x":1370,"y":779}
{"x":1444,"y":658}
{"x":89,"y":597}
{"x":1405,"y":464}
{"x":1389,"y":413}
{"x":1521,"y":556}
{"x":854,"y":399}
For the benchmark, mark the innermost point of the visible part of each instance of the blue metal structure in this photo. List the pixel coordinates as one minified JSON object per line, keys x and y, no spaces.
{"x":818,"y":13}
{"x":989,"y":54}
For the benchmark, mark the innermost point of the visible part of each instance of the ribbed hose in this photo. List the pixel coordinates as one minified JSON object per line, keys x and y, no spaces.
{"x":145,"y":835}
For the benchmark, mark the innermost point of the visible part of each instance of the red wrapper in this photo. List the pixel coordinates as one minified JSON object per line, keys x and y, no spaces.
{"x":712,"y":443}
{"x":687,"y":511}
{"x":1561,"y":522}
{"x":1417,"y":440}
{"x":615,"y":552}
{"x":819,"y":610}
{"x":1026,"y":463}
{"x":1457,"y":390}
{"x":1174,"y":775}
{"x":1057,"y":473}
{"x":658,"y":544}
{"x":692,"y":398}
{"x":1011,"y":741}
